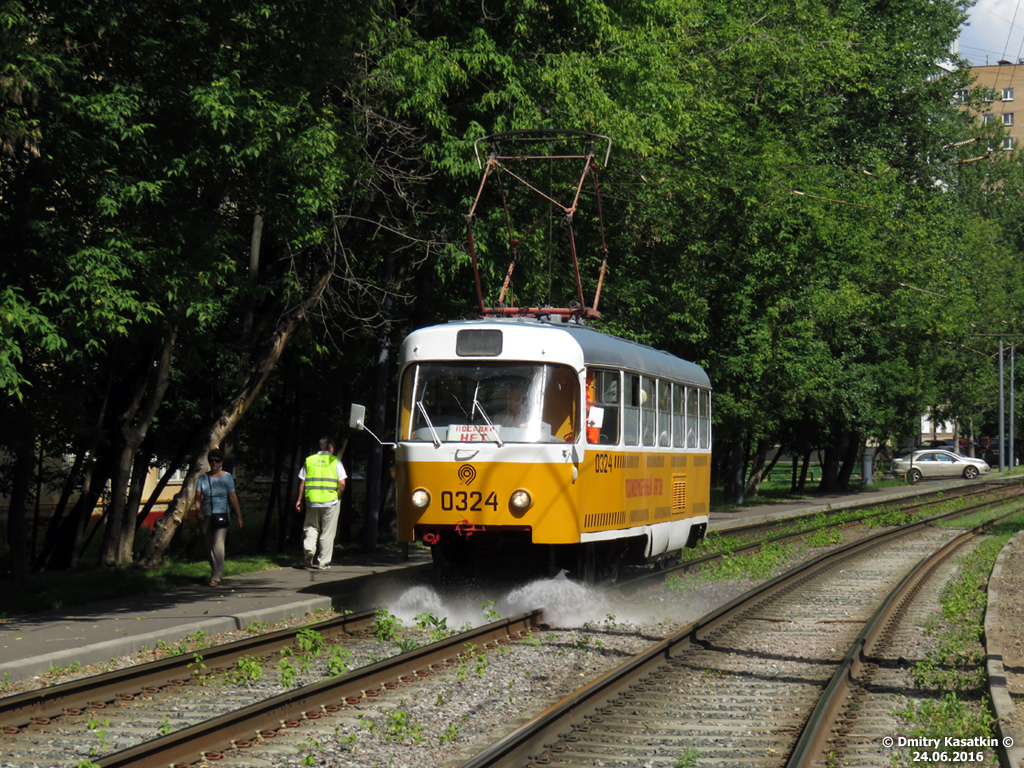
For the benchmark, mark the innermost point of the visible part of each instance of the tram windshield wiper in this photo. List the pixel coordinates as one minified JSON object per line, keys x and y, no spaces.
{"x":430,"y":426}
{"x":477,"y":406}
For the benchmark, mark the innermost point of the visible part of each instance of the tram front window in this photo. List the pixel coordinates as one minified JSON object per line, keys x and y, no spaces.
{"x":490,"y":402}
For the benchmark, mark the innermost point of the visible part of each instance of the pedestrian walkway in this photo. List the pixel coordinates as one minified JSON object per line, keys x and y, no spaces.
{"x":98,"y":632}
{"x":739,"y":516}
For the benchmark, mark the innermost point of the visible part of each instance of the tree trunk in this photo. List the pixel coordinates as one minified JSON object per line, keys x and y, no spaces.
{"x":830,"y":466}
{"x":757,"y":468}
{"x":378,"y":412}
{"x":165,"y":478}
{"x":734,"y":476}
{"x":767,"y":474}
{"x":290,"y":519}
{"x":17,"y":531}
{"x":167,"y":525}
{"x":276,"y":506}
{"x":254,"y":272}
{"x":62,"y":553}
{"x":54,"y":526}
{"x":803,"y":471}
{"x":374,"y":464}
{"x":119,"y":534}
{"x":852,"y":457}
{"x":68,"y":539}
{"x":140,"y":473}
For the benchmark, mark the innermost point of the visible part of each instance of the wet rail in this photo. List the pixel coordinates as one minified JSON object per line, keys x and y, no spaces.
{"x":701,"y":690}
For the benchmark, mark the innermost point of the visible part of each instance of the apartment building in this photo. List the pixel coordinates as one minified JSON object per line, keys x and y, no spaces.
{"x":1003,"y":81}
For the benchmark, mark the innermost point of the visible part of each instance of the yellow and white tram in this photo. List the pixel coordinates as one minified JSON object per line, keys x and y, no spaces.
{"x":550,"y":441}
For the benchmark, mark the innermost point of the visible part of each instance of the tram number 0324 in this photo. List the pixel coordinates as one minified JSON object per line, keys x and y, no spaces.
{"x":468,"y":501}
{"x":949,"y":757}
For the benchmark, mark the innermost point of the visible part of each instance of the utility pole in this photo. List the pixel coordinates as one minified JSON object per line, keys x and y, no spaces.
{"x":1002,"y":414}
{"x":1013,"y":458}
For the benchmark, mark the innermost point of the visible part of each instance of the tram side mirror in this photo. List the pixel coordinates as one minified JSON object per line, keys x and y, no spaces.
{"x":357,"y":420}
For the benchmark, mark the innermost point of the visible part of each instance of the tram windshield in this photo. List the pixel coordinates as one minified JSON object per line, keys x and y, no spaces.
{"x":490,"y":402}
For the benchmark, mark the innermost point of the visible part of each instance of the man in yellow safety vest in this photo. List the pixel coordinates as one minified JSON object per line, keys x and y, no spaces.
{"x":321,"y":482}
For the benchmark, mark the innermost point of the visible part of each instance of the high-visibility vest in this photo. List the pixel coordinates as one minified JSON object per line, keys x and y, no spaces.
{"x":321,"y":478}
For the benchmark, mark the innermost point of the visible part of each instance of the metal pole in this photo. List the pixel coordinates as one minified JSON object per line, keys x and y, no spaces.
{"x":1002,"y":414}
{"x":1013,"y":459}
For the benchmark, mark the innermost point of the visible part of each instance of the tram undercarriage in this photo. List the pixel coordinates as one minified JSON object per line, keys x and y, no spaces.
{"x":512,"y":554}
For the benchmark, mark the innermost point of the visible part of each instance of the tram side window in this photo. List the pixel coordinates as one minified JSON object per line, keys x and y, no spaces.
{"x":631,"y":408}
{"x":602,"y":406}
{"x":405,"y":422}
{"x":678,"y":402}
{"x":664,"y":413}
{"x":691,"y":418}
{"x":649,"y":416}
{"x":705,"y":418}
{"x":561,"y":402}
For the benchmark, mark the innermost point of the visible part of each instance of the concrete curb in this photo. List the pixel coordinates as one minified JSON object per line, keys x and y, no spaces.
{"x":1002,"y":704}
{"x":98,"y":653}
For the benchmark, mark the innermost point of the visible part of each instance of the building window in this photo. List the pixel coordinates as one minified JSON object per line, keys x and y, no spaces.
{"x":1007,"y":94}
{"x":1008,"y":142}
{"x":986,"y":119}
{"x":961,"y":95}
{"x":1007,"y":118}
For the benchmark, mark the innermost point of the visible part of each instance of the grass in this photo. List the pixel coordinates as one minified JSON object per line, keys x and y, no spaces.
{"x":778,"y":491}
{"x":60,"y":590}
{"x":186,"y":566}
{"x":951,"y":679}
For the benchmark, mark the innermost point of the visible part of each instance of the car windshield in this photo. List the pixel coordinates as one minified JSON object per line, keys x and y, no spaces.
{"x":490,"y":402}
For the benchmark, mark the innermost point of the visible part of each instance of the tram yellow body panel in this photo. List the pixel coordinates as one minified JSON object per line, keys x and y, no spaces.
{"x":613,"y":491}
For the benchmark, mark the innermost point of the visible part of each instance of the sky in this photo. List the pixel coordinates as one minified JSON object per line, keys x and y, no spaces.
{"x":996,"y":31}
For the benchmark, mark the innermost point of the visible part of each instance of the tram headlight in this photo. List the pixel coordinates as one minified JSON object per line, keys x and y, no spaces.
{"x":520,"y":500}
{"x":420,"y":498}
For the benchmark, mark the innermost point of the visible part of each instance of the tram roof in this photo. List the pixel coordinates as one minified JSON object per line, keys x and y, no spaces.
{"x":603,"y":349}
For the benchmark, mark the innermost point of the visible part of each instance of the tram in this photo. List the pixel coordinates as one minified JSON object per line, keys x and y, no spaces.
{"x":529,"y":434}
{"x":544,"y":439}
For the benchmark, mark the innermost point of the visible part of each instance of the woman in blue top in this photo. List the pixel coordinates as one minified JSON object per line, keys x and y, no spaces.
{"x":215,"y":498}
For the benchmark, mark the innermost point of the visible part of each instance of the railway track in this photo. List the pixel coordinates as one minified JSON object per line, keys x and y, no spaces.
{"x":42,"y":715}
{"x":749,"y":537}
{"x":778,"y":677}
{"x":219,"y":720}
{"x":863,"y":512}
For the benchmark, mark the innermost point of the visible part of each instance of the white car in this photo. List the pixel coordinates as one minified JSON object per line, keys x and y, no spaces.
{"x":935,"y":463}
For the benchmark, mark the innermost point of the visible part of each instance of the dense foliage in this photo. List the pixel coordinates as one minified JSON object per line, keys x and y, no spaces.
{"x":193,"y":192}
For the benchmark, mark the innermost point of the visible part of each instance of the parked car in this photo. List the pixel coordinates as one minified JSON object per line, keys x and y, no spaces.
{"x":945,"y":445}
{"x":979,"y":447}
{"x":962,"y":447}
{"x":992,"y":452}
{"x":935,"y":463}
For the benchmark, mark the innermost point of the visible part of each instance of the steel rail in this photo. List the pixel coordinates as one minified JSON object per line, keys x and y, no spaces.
{"x":687,"y":565}
{"x":516,"y":747}
{"x":898,"y":503}
{"x":18,"y":710}
{"x":216,"y":735}
{"x":815,"y":739}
